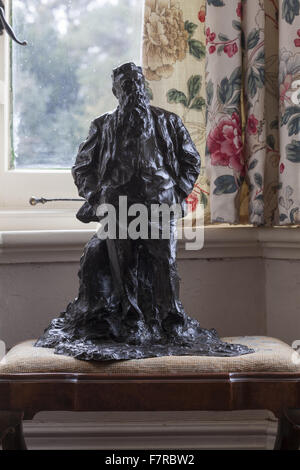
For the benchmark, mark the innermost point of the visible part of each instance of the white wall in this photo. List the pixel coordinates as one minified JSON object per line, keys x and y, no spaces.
{"x":283,"y":299}
{"x":249,"y":296}
{"x":32,"y":294}
{"x":225,"y":294}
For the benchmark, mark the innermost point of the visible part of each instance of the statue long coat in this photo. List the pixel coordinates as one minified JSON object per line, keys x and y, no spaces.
{"x":99,"y":168}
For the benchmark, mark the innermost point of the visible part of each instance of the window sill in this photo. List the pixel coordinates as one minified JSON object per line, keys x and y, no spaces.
{"x":37,"y":246}
{"x":39,"y":219}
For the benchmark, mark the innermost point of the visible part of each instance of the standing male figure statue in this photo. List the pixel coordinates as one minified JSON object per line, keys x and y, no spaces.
{"x":128,"y":303}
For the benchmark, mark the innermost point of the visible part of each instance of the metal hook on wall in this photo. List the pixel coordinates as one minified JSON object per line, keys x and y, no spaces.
{"x":5,"y":26}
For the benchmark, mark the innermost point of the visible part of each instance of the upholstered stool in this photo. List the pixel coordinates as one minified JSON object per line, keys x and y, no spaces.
{"x":35,"y":379}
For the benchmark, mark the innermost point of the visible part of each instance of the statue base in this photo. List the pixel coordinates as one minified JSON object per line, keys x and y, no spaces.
{"x":190,"y":340}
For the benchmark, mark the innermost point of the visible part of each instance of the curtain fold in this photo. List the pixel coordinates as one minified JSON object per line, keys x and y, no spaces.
{"x":225,"y":165}
{"x":289,"y":111}
{"x":231,"y":70}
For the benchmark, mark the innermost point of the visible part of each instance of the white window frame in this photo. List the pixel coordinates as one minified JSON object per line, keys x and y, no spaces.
{"x":17,"y":186}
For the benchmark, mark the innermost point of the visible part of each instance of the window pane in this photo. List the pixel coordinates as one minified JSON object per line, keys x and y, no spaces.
{"x":61,"y":80}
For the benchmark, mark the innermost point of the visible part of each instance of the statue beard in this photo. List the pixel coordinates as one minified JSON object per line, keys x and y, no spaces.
{"x":135,"y":117}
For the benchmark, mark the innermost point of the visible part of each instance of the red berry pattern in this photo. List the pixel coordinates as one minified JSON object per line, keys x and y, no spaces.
{"x":230,"y":47}
{"x":201,"y":15}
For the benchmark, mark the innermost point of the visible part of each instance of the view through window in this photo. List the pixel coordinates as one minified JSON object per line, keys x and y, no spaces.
{"x":61,"y":80}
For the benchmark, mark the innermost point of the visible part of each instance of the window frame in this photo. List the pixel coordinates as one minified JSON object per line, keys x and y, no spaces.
{"x":18,"y":185}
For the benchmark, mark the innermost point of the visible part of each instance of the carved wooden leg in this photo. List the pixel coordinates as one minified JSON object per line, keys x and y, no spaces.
{"x":288,"y":434}
{"x":11,"y":431}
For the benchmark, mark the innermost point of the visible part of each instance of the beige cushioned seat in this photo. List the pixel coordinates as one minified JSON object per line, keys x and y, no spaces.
{"x":271,"y":355}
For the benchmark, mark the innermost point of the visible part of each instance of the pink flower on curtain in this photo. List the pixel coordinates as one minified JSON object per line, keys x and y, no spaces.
{"x":281,"y":168}
{"x":252,"y":124}
{"x":225,"y":145}
{"x":297,"y":40}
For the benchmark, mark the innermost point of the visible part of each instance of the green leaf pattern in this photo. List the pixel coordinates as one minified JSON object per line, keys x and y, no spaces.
{"x":192,"y":100}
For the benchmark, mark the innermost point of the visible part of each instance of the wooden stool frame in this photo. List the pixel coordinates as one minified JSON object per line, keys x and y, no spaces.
{"x":24,"y":395}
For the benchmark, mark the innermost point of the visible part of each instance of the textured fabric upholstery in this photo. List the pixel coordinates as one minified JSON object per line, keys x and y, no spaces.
{"x":271,"y":355}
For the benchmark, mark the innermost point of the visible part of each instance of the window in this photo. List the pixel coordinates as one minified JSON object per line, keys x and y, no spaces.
{"x":61,"y":80}
{"x":50,"y":90}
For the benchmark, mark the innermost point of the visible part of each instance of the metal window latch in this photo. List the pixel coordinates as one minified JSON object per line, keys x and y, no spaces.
{"x":5,"y":26}
{"x":33,"y":201}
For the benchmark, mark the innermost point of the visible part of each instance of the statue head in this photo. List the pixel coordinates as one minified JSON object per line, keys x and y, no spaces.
{"x":128,"y":80}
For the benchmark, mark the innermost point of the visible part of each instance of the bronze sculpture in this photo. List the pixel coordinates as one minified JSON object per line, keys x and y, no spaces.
{"x":128,"y":304}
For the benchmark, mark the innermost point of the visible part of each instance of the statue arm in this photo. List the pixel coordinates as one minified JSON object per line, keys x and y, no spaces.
{"x":84,"y":170}
{"x":188,"y":159}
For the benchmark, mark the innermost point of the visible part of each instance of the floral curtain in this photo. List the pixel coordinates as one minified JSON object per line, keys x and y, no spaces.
{"x":231,"y":70}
